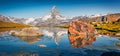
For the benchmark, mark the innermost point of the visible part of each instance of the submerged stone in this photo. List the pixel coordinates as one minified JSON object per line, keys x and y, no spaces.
{"x":118,"y":44}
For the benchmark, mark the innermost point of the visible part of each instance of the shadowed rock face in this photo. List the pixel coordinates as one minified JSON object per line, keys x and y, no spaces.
{"x":32,"y":31}
{"x":81,"y":34}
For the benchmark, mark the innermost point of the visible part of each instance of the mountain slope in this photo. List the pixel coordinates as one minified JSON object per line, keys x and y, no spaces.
{"x":4,"y":18}
{"x":100,"y":18}
{"x":11,"y":24}
{"x":53,"y":18}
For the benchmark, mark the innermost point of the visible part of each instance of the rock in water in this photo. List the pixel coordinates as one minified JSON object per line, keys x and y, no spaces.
{"x":42,"y":45}
{"x":32,"y":31}
{"x":81,"y":34}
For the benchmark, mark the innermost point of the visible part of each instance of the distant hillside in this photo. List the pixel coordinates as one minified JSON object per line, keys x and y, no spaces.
{"x":11,"y":24}
{"x":101,"y":18}
{"x":4,"y":18}
{"x":106,"y":18}
{"x":112,"y":17}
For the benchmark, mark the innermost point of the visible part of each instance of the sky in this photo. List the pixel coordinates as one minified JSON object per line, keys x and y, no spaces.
{"x":67,"y":8}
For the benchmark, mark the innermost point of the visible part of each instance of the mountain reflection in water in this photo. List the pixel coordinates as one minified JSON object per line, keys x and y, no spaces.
{"x":54,"y":33}
{"x":56,"y":42}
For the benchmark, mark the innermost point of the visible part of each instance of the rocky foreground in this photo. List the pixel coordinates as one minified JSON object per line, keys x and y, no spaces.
{"x":81,"y":34}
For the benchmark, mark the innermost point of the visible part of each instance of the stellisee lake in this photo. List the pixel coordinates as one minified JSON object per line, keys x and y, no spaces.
{"x":55,"y":42}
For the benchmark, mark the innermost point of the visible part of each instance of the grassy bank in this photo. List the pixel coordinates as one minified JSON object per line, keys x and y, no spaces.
{"x":6,"y":26}
{"x":12,"y":25}
{"x":107,"y":28}
{"x":62,"y":26}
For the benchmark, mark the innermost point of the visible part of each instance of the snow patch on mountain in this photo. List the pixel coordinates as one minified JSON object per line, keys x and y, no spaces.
{"x":97,"y":15}
{"x":54,"y":14}
{"x":47,"y":17}
{"x":29,"y":20}
{"x":61,"y":18}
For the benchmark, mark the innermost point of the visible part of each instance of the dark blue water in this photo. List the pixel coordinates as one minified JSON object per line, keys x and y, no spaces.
{"x":54,"y":42}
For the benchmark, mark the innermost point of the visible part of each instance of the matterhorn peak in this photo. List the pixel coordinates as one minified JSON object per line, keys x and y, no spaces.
{"x":53,"y":15}
{"x":54,"y":8}
{"x":54,"y":11}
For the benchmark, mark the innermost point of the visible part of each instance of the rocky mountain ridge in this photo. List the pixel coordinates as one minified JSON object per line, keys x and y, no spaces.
{"x":100,"y":18}
{"x":55,"y":18}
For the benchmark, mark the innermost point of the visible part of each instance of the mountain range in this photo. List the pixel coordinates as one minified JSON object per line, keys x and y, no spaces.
{"x":99,"y":18}
{"x":54,"y":18}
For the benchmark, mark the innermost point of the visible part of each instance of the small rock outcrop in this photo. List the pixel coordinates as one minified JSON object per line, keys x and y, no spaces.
{"x":32,"y":31}
{"x":81,"y":34}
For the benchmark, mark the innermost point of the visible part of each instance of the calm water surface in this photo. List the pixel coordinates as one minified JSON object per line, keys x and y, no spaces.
{"x":54,"y":42}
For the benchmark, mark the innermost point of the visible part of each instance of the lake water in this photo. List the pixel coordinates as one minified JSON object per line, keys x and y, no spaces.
{"x":54,"y":42}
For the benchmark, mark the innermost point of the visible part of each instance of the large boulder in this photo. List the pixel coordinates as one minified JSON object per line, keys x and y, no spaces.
{"x":81,"y":34}
{"x":32,"y":31}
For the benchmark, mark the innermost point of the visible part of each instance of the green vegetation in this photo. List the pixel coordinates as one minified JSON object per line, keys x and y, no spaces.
{"x":63,"y":26}
{"x":6,"y":26}
{"x":8,"y":29}
{"x":107,"y":28}
{"x":11,"y":25}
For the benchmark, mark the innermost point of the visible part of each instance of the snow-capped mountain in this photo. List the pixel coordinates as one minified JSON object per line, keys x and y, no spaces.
{"x":19,"y":20}
{"x":53,"y":18}
{"x":54,"y":14}
{"x":97,"y":15}
{"x":29,"y":20}
{"x":4,"y":18}
{"x":47,"y":17}
{"x":16,"y":20}
{"x":12,"y":19}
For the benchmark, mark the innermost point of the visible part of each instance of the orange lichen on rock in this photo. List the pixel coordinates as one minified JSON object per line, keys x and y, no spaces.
{"x":81,"y":34}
